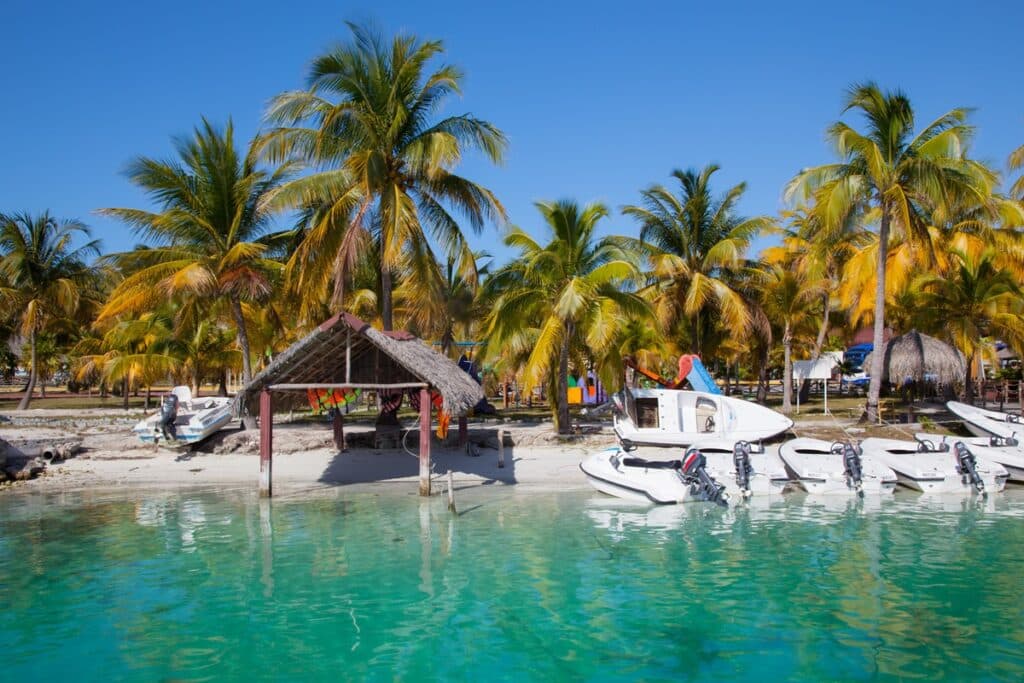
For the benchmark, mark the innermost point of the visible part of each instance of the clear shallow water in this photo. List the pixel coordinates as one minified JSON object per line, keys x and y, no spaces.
{"x":520,"y":586}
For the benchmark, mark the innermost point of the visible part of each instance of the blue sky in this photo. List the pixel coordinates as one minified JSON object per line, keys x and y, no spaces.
{"x":599,"y":100}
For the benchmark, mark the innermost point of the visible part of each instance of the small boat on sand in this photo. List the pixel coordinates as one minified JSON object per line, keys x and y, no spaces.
{"x":835,"y":468}
{"x":616,"y":472}
{"x":981,"y":422}
{"x":676,"y":417}
{"x":934,"y":465}
{"x":183,"y":420}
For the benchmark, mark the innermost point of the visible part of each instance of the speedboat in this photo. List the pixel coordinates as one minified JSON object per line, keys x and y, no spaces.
{"x":745,"y":469}
{"x":835,"y":467}
{"x":617,"y":473}
{"x":677,"y":417}
{"x":183,"y":420}
{"x":936,"y":466}
{"x":981,"y":422}
{"x":1006,"y":452}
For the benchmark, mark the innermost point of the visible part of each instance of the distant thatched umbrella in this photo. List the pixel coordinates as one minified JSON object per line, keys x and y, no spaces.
{"x":914,"y":355}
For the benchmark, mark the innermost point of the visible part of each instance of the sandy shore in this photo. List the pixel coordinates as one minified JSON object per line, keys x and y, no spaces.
{"x":306,"y":459}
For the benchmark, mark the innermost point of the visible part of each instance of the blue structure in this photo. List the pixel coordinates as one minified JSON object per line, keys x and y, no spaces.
{"x":856,"y":354}
{"x":700,"y":379}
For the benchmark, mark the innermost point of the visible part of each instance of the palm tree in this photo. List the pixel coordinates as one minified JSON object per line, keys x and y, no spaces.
{"x":789,"y":299}
{"x":561,"y":296}
{"x":211,"y":232}
{"x":889,"y":175}
{"x":1017,"y":164}
{"x":42,"y":275}
{"x":976,"y":300}
{"x":385,"y":163}
{"x":693,"y":240}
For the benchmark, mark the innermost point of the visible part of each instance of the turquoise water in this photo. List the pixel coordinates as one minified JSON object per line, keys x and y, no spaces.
{"x":519,"y":586}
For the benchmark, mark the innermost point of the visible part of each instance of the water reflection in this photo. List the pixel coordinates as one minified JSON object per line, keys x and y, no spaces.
{"x":522,"y":587}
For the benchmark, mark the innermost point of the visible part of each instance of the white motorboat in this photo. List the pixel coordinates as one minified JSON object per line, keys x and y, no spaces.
{"x":826,"y":467}
{"x":616,"y":472}
{"x":745,"y":469}
{"x":936,"y":466}
{"x":676,"y":417}
{"x":982,"y":422}
{"x":183,"y":420}
{"x":1007,"y":452}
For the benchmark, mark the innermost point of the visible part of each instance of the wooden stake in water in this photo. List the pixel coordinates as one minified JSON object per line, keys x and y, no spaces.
{"x":501,"y":448}
{"x":451,"y":492}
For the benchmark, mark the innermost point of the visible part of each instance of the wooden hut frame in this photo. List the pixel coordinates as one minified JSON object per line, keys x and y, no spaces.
{"x":345,"y":352}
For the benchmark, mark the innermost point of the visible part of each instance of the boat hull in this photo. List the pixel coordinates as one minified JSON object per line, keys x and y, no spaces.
{"x":932,"y":471}
{"x":605,"y":472}
{"x":671,"y":417}
{"x":193,"y":424}
{"x":817,"y":470}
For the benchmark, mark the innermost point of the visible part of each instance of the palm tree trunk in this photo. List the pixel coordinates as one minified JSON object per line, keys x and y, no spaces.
{"x":969,"y":381}
{"x":762,"y":376}
{"x":248,"y":421}
{"x":787,"y":370}
{"x":819,"y":342}
{"x":125,"y":388}
{"x":562,"y":395}
{"x":386,"y":304}
{"x":23,"y":405}
{"x":871,"y":413}
{"x":149,"y":393}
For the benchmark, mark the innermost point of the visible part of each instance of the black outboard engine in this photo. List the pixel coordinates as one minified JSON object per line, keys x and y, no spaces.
{"x":853,"y":468}
{"x":967,"y":467}
{"x":741,"y":459}
{"x":168,"y":414}
{"x":701,"y":483}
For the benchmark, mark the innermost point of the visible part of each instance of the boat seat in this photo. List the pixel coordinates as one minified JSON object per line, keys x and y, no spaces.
{"x":653,"y":464}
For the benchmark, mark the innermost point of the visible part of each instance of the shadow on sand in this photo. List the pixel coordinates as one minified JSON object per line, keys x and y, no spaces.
{"x":366,"y":465}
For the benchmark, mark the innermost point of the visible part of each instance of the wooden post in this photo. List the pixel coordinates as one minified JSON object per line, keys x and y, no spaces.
{"x":451,"y":492}
{"x":463,"y":431}
{"x":501,"y":448}
{"x":425,"y":441}
{"x":266,"y":442}
{"x":338,"y":423}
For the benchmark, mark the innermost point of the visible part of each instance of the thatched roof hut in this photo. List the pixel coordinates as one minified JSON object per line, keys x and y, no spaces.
{"x":914,"y":355}
{"x":346,"y":349}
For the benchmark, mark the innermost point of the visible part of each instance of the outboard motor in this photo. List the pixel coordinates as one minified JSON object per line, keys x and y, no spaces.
{"x":967,"y":467}
{"x":853,"y":468}
{"x":1003,"y":441}
{"x":741,"y":459}
{"x":168,"y":414}
{"x":694,"y":472}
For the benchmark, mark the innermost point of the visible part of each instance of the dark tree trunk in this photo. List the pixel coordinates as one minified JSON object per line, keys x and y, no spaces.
{"x":871,"y":414}
{"x":787,"y":370}
{"x":762,"y":377}
{"x":249,"y":421}
{"x":222,"y":384}
{"x":125,"y":388}
{"x":32,"y":373}
{"x":969,"y":382}
{"x":562,"y":394}
{"x":386,"y":304}
{"x":149,"y":394}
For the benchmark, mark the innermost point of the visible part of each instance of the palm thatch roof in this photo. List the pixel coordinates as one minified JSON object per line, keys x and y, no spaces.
{"x":376,"y":358}
{"x":914,"y":355}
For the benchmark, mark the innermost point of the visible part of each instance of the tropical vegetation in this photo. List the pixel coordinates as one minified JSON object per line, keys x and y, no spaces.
{"x":355,"y":199}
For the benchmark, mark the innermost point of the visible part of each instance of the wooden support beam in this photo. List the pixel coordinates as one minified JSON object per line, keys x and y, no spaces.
{"x":463,"y":431}
{"x":346,"y":385}
{"x":424,"y":441}
{"x":266,"y":442}
{"x":338,"y":423}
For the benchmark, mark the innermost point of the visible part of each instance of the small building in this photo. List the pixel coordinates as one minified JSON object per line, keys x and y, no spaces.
{"x":345,"y":352}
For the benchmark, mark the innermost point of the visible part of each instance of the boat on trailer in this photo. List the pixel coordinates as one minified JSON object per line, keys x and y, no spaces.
{"x":934,"y":465}
{"x":677,"y":417}
{"x":183,"y":420}
{"x":826,"y":467}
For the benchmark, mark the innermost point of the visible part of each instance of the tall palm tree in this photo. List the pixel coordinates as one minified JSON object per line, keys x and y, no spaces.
{"x":211,"y":232}
{"x":789,"y":299}
{"x":43,"y":275}
{"x":385,"y":162}
{"x":1017,"y":164}
{"x":895,"y":178}
{"x":570,"y":291}
{"x":976,"y":300}
{"x":693,"y":240}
